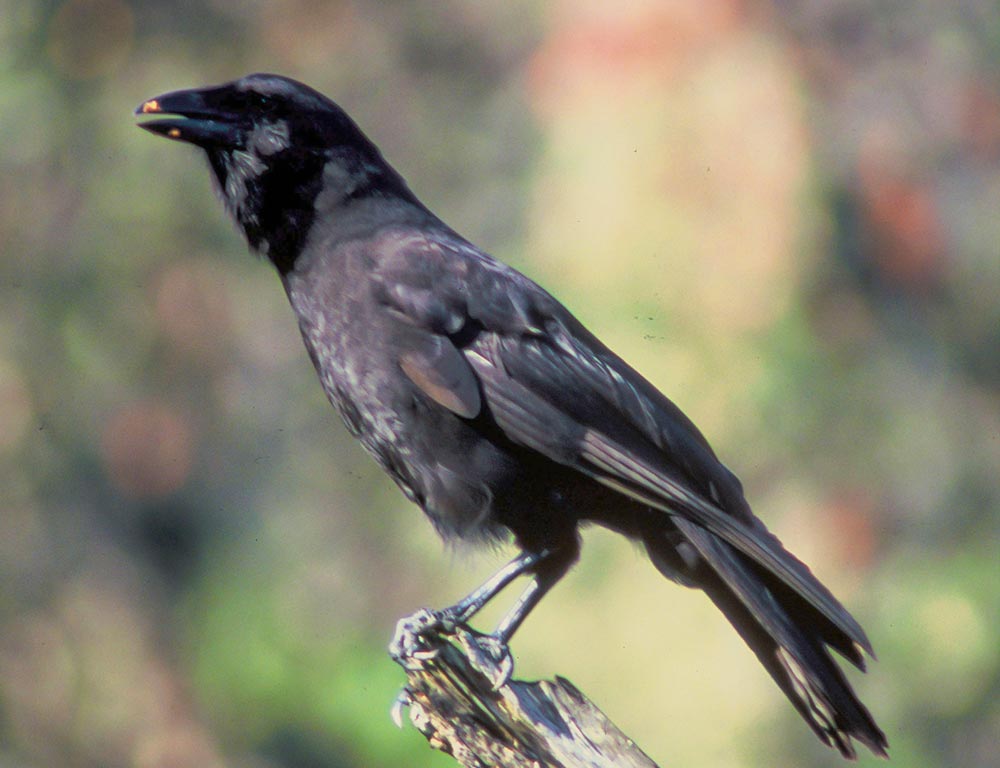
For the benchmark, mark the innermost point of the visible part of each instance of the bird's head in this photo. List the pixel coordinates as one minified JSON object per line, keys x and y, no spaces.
{"x":281,"y":153}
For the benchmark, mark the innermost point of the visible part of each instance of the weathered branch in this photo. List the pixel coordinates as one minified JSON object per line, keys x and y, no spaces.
{"x":544,"y":724}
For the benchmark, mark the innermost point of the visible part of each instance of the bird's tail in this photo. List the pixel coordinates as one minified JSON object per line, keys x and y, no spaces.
{"x":787,"y":634}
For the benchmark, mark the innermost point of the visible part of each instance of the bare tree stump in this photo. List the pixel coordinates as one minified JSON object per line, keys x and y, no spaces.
{"x":543,"y":724}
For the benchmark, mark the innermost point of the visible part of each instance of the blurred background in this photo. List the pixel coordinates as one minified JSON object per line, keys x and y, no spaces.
{"x":785,"y":214}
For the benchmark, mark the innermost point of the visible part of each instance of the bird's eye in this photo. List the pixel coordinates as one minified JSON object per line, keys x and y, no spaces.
{"x":261,"y":101}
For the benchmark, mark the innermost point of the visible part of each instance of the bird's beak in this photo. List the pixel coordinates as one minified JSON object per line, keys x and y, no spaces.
{"x":197,"y":122}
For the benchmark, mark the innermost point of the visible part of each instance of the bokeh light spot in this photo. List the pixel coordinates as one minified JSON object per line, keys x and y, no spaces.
{"x":147,"y":449}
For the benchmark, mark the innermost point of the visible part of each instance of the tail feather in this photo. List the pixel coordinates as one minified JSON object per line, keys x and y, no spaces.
{"x":789,"y":638}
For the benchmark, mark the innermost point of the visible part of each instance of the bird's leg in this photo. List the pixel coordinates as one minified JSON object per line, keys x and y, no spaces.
{"x":471,"y":604}
{"x":407,"y":641}
{"x":490,"y":654}
{"x":526,"y":602}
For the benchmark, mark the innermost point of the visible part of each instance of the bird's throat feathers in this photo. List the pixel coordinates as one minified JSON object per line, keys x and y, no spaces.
{"x":275,"y":193}
{"x":270,"y":196}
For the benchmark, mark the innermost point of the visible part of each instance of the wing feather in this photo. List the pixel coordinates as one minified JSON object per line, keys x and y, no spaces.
{"x":438,"y":369}
{"x":535,"y":422}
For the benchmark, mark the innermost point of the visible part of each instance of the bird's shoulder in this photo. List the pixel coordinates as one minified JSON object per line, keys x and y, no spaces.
{"x":441,"y":282}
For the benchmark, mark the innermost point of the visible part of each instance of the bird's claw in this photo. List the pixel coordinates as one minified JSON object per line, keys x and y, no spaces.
{"x":403,"y":700}
{"x":488,"y":655}
{"x":409,"y":646}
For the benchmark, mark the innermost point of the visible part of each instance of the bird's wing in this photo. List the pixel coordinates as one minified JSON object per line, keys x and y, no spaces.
{"x":634,"y":459}
{"x":551,"y":386}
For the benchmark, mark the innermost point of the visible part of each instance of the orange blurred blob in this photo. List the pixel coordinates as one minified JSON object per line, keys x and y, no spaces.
{"x":909,"y":240}
{"x":606,"y":46}
{"x":851,"y":520}
{"x":148,"y":450}
{"x":90,"y":38}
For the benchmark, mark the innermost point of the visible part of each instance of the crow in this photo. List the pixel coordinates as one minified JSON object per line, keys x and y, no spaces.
{"x":489,"y":404}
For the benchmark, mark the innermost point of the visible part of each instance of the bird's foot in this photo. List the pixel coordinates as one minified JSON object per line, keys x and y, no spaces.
{"x":419,"y":638}
{"x":410,"y":646}
{"x":488,"y":655}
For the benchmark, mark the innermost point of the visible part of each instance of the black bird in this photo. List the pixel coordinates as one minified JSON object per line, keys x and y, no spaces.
{"x":488,"y":403}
